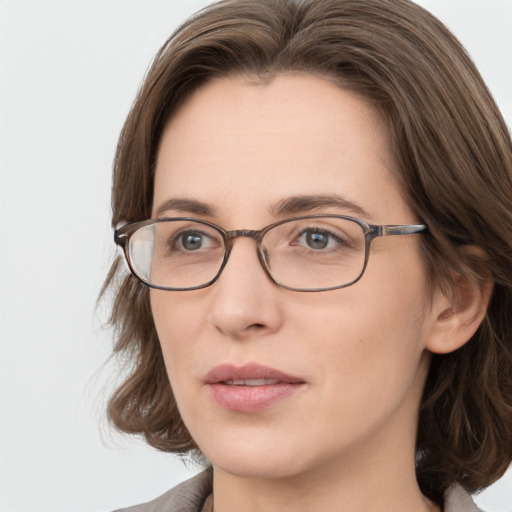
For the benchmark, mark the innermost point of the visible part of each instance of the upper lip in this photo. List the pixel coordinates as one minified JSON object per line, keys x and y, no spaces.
{"x":230,"y":372}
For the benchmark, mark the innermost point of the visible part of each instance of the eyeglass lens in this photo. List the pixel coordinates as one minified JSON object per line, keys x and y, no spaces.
{"x":300,"y":253}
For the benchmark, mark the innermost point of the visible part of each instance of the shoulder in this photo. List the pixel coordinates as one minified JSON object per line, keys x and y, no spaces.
{"x":456,"y":499}
{"x":188,"y":496}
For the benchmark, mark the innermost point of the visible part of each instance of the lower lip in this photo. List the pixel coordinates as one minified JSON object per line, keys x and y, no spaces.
{"x":251,"y":398}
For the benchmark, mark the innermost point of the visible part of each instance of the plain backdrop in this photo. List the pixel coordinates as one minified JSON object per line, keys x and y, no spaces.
{"x":69,"y":71}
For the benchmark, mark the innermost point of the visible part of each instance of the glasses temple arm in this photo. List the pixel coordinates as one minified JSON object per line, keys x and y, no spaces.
{"x":405,"y":229}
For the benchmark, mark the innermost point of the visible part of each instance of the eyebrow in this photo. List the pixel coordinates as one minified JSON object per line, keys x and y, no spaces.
{"x":290,"y":206}
{"x":190,"y":206}
{"x":307,"y":203}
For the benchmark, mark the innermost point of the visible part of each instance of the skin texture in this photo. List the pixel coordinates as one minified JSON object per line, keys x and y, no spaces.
{"x":345,"y":440}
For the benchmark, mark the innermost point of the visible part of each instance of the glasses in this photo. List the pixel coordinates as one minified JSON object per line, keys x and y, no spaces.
{"x":306,"y":254}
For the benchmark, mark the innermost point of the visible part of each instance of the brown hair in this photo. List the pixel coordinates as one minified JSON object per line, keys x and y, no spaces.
{"x":454,"y":157}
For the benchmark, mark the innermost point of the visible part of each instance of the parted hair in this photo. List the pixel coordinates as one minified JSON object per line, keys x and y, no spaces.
{"x":454,"y":163}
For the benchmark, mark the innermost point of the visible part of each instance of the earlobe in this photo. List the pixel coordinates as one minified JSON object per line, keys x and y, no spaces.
{"x":458,"y":311}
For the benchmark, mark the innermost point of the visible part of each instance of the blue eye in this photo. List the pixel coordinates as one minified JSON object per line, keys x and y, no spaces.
{"x":318,"y":239}
{"x":192,"y":241}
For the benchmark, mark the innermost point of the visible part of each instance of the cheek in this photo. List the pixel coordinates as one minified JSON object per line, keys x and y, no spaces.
{"x":377,"y":328}
{"x":362,"y":331}
{"x":365,"y":364}
{"x":178,"y":323}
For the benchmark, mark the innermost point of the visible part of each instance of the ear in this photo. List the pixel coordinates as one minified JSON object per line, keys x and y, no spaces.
{"x":459,"y":309}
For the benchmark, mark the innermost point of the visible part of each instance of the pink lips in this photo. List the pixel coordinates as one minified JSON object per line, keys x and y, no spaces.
{"x":250,"y":388}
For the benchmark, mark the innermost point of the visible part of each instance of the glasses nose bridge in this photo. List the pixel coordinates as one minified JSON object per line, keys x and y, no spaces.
{"x":230,"y":236}
{"x":256,"y":235}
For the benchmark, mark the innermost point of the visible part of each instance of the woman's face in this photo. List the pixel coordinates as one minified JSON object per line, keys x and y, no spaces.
{"x":272,"y":382}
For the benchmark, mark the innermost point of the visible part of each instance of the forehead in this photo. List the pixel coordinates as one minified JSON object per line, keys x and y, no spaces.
{"x":240,"y":146}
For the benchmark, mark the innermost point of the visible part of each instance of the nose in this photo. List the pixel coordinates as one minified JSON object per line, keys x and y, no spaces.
{"x":245,"y":302}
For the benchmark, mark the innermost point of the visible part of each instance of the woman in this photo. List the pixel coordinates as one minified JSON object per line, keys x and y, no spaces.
{"x":314,"y":199}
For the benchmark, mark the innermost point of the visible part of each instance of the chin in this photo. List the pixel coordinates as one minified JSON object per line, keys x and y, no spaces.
{"x":261,"y":458}
{"x":257,"y":469}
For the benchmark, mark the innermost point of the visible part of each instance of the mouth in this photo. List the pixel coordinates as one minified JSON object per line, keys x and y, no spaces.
{"x":250,"y":388}
{"x":251,"y":382}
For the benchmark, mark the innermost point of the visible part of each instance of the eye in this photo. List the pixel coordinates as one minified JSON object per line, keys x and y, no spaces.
{"x":192,"y":241}
{"x":318,"y":239}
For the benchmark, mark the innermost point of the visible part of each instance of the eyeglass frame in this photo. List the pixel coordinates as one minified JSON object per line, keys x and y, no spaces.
{"x":123,"y":234}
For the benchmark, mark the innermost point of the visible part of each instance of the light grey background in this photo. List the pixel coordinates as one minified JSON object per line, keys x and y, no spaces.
{"x":69,"y":71}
